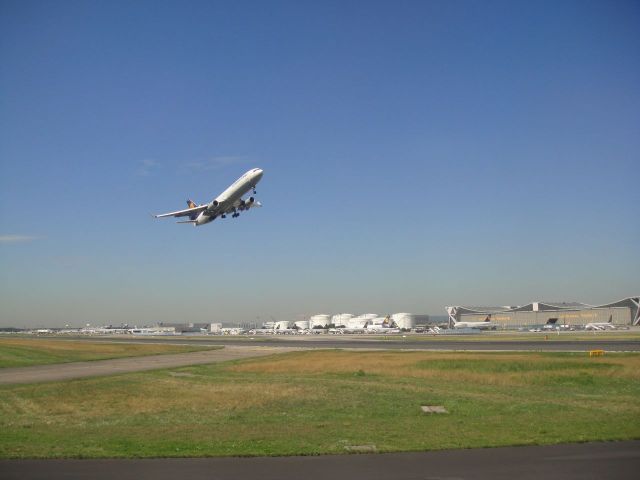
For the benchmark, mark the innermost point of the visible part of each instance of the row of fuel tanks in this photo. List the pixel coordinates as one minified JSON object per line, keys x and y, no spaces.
{"x":367,"y":320}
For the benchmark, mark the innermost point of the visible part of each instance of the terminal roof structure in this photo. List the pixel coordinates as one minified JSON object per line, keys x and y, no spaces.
{"x":631,"y":302}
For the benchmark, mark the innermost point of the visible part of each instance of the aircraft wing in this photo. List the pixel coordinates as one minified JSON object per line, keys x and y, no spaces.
{"x":183,"y":213}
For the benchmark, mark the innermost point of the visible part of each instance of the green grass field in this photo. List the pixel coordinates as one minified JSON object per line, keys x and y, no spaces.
{"x":22,"y":352}
{"x":322,"y":402}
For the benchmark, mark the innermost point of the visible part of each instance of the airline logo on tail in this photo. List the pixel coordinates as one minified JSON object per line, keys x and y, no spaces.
{"x":191,"y":204}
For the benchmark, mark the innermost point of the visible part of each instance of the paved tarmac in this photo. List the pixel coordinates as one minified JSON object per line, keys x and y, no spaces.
{"x":69,"y":371}
{"x":619,"y":460}
{"x":527,"y":343}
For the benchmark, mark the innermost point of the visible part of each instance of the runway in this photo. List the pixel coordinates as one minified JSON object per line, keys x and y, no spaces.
{"x":619,"y":460}
{"x":537,"y":343}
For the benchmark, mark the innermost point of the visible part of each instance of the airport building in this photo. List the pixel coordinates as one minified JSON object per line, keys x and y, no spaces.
{"x":185,"y":327}
{"x":623,"y":313}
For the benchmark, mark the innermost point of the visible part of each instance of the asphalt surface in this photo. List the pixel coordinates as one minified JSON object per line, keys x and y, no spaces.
{"x":69,"y":371}
{"x":615,"y":460}
{"x":533,"y":343}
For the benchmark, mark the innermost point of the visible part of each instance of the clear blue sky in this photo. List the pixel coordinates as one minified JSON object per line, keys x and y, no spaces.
{"x":416,"y":155}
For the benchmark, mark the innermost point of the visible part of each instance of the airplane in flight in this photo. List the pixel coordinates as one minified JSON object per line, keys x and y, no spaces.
{"x":228,"y":202}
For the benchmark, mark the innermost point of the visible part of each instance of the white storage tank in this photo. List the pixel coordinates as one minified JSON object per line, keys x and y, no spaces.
{"x":358,"y":322}
{"x":320,"y":320}
{"x":282,"y":325}
{"x":302,"y":324}
{"x":341,"y":319}
{"x":379,"y":321}
{"x":404,"y":320}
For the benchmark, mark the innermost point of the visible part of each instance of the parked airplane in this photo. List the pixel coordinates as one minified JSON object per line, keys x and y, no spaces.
{"x":228,"y":202}
{"x":484,"y":325}
{"x":601,"y":325}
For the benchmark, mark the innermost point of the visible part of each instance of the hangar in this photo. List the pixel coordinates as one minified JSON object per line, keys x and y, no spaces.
{"x":624,"y":312}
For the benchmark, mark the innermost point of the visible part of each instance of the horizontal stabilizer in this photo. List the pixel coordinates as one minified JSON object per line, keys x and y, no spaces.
{"x":187,"y":221}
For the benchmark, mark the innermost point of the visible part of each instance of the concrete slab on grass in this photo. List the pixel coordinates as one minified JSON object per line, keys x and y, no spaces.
{"x":433,"y":409}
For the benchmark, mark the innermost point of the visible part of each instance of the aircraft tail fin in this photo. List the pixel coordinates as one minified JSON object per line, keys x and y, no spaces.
{"x":192,"y":204}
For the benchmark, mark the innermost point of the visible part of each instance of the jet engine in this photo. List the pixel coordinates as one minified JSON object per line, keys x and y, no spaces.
{"x":246,"y":204}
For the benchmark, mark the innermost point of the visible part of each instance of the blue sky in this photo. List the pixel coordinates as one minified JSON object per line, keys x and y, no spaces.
{"x":416,"y":155}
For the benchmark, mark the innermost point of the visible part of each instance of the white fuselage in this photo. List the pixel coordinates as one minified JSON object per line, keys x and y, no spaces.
{"x":478,"y":325}
{"x":230,"y":196}
{"x":599,"y":326}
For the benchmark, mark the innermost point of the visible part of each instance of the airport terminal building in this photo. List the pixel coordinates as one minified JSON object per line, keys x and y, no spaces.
{"x":625,"y":312}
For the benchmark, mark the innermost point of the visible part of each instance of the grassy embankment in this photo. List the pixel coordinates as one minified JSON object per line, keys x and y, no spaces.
{"x":323,"y":401}
{"x":21,"y":352}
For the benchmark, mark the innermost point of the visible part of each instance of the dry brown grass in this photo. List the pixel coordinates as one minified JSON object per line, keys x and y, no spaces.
{"x":416,"y":365}
{"x":324,"y":362}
